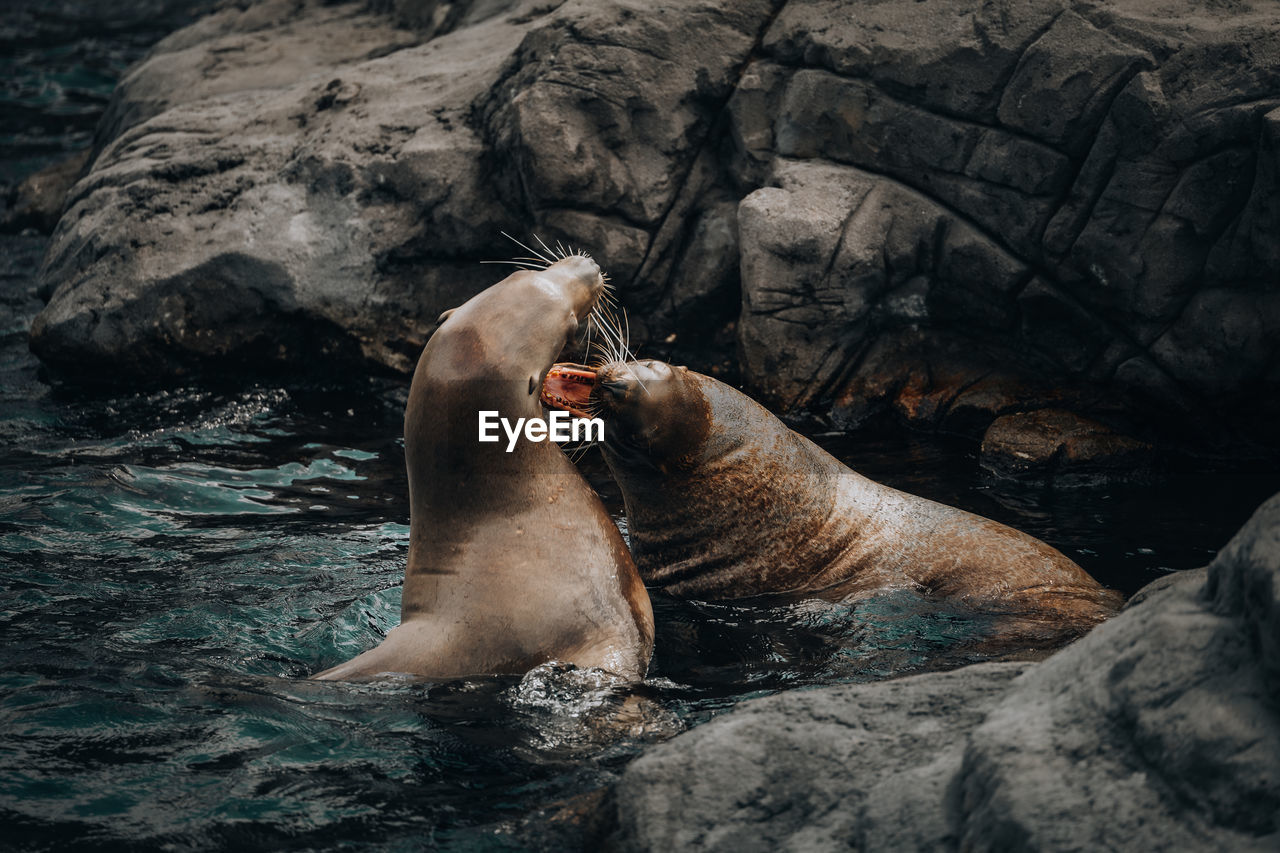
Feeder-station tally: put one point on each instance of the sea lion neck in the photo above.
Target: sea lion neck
(491, 354)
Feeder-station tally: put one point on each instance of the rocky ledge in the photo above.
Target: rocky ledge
(1160, 730)
(946, 211)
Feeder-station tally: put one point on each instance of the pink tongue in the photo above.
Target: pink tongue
(568, 387)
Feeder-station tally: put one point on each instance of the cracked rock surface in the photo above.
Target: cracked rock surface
(948, 210)
(1159, 730)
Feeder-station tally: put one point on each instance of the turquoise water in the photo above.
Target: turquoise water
(173, 564)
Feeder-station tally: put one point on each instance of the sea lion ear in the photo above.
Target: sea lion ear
(445, 316)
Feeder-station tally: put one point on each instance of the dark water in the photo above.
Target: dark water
(59, 60)
(172, 564)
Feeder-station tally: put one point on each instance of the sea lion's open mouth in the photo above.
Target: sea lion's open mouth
(569, 387)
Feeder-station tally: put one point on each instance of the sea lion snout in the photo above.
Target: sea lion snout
(576, 387)
(619, 385)
(651, 409)
(614, 389)
(614, 384)
(569, 387)
(624, 379)
(576, 277)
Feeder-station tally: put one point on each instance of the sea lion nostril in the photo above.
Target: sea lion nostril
(616, 388)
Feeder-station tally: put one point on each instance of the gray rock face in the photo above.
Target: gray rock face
(947, 210)
(1076, 191)
(285, 180)
(272, 213)
(1160, 730)
(861, 767)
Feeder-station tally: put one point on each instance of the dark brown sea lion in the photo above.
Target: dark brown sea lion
(724, 501)
(513, 560)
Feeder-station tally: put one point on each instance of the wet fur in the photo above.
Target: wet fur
(724, 501)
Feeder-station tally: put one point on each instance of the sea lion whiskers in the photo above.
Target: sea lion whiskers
(559, 253)
(607, 302)
(601, 315)
(560, 246)
(517, 263)
(609, 330)
(542, 257)
(619, 351)
(550, 251)
(598, 320)
(578, 450)
(606, 337)
(617, 334)
(623, 354)
(630, 356)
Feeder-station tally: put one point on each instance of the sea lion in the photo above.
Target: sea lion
(724, 501)
(513, 560)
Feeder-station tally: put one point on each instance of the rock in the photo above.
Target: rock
(861, 766)
(582, 822)
(247, 47)
(700, 312)
(1070, 142)
(936, 381)
(313, 171)
(1083, 199)
(1055, 444)
(1159, 730)
(37, 201)
(1196, 577)
(255, 204)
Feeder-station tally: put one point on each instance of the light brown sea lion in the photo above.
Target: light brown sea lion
(724, 501)
(513, 560)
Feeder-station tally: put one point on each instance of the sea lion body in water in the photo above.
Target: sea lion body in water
(513, 560)
(724, 501)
